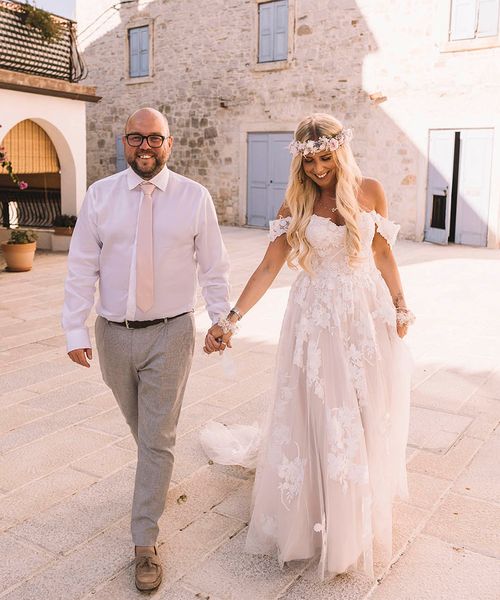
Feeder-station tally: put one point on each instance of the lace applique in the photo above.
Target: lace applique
(345, 436)
(278, 227)
(291, 473)
(387, 229)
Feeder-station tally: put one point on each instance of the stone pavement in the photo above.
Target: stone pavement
(67, 460)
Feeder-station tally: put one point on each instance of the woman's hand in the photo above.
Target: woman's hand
(402, 329)
(217, 340)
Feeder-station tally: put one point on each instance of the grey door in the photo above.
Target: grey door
(268, 170)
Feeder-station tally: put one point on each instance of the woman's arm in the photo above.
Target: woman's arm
(256, 287)
(384, 257)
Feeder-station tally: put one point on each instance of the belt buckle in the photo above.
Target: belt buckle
(127, 325)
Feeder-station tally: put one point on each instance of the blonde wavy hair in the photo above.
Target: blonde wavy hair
(302, 192)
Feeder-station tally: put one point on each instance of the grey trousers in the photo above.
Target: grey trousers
(147, 371)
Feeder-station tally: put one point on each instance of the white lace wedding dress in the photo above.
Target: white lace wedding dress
(332, 455)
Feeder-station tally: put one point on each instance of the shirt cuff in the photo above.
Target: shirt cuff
(77, 338)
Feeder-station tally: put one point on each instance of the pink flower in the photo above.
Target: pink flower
(22, 185)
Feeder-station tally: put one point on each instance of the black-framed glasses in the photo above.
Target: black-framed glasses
(136, 139)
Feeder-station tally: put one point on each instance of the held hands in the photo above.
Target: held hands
(217, 340)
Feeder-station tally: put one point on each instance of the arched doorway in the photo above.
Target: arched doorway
(35, 160)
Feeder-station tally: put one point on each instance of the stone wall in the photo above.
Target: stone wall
(378, 66)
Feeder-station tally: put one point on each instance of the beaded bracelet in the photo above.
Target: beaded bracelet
(227, 326)
(404, 316)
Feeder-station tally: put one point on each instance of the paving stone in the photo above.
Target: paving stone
(482, 426)
(425, 367)
(19, 561)
(44, 426)
(103, 401)
(231, 573)
(19, 466)
(406, 523)
(467, 522)
(448, 465)
(189, 456)
(446, 390)
(35, 497)
(67, 395)
(59, 380)
(179, 554)
(193, 497)
(491, 387)
(434, 570)
(237, 504)
(105, 461)
(478, 405)
(82, 570)
(111, 422)
(347, 586)
(434, 430)
(425, 491)
(248, 365)
(128, 443)
(242, 391)
(481, 479)
(196, 415)
(75, 520)
(15, 397)
(199, 387)
(17, 415)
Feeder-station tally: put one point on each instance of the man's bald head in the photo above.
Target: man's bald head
(148, 114)
(147, 160)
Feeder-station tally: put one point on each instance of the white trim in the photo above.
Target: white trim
(277, 65)
(447, 45)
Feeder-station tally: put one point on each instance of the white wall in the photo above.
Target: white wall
(64, 121)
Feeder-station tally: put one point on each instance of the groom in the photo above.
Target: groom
(144, 234)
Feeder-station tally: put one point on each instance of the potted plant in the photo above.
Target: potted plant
(19, 250)
(42, 21)
(64, 224)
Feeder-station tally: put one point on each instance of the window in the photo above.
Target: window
(471, 19)
(138, 44)
(273, 31)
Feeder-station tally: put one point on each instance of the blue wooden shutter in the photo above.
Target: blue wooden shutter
(487, 20)
(463, 19)
(121, 163)
(281, 30)
(134, 58)
(144, 51)
(266, 19)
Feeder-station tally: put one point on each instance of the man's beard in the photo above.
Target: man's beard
(157, 167)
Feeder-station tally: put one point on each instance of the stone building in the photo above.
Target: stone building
(419, 83)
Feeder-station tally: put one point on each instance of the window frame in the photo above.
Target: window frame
(475, 43)
(138, 24)
(273, 65)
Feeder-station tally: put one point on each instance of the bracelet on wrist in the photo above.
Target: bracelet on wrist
(404, 316)
(236, 311)
(227, 326)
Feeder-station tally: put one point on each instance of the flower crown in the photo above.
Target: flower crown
(323, 143)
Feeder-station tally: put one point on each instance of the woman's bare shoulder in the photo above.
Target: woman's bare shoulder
(372, 196)
(283, 211)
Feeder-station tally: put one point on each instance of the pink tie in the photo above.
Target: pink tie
(144, 261)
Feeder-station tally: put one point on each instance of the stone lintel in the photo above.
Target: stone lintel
(47, 86)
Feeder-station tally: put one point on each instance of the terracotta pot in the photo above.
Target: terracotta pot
(63, 230)
(19, 257)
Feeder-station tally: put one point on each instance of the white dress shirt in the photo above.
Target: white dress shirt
(186, 239)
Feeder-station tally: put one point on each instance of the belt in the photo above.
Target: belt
(142, 324)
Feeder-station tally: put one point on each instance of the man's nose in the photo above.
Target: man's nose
(144, 144)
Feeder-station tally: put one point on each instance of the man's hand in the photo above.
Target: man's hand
(216, 340)
(80, 356)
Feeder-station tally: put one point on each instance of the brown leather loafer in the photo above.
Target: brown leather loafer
(148, 571)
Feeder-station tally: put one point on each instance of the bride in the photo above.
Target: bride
(333, 453)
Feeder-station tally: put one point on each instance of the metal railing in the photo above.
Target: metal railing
(24, 50)
(29, 208)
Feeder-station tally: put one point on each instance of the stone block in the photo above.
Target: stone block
(67, 395)
(105, 461)
(200, 387)
(111, 422)
(44, 426)
(481, 479)
(434, 570)
(449, 465)
(231, 573)
(19, 561)
(491, 387)
(467, 522)
(425, 491)
(15, 397)
(37, 496)
(17, 415)
(28, 376)
(75, 520)
(435, 431)
(189, 456)
(35, 460)
(481, 405)
(196, 415)
(237, 504)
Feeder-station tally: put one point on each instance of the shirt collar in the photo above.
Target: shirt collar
(160, 180)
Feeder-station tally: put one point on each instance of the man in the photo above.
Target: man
(143, 233)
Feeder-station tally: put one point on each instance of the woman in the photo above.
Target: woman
(333, 456)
